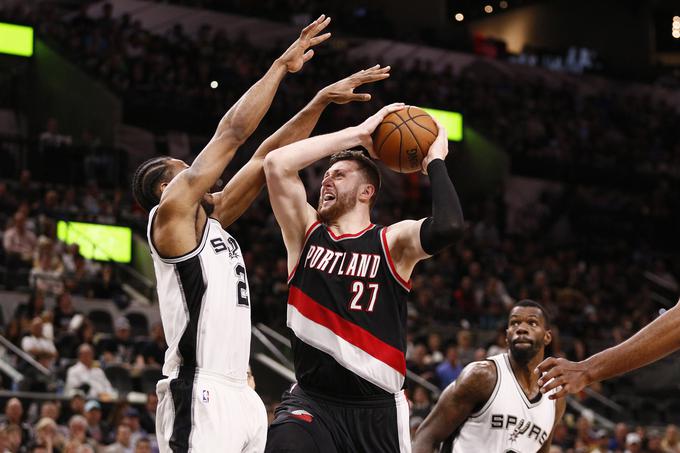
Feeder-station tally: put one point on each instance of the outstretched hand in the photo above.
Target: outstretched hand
(571, 377)
(342, 91)
(369, 125)
(300, 51)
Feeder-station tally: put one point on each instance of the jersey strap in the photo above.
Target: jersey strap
(349, 344)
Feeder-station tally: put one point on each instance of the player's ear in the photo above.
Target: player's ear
(367, 192)
(547, 338)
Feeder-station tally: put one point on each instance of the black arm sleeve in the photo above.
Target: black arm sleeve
(445, 227)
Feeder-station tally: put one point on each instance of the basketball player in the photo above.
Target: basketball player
(495, 405)
(348, 285)
(655, 341)
(201, 277)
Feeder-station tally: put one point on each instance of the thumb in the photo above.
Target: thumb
(361, 97)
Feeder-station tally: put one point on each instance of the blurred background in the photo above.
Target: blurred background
(567, 165)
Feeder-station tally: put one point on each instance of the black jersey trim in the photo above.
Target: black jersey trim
(192, 285)
(312, 228)
(176, 259)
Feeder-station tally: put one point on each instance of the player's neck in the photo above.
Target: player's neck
(524, 373)
(351, 222)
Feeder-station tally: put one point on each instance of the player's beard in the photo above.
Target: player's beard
(523, 353)
(343, 203)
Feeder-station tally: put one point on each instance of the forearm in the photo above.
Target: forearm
(292, 158)
(243, 117)
(425, 443)
(658, 339)
(297, 128)
(446, 224)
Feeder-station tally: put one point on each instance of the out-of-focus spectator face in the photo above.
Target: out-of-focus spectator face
(14, 437)
(77, 404)
(37, 327)
(143, 446)
(151, 402)
(466, 283)
(123, 435)
(420, 396)
(419, 353)
(49, 410)
(93, 416)
(452, 355)
(86, 355)
(480, 354)
(14, 410)
(633, 443)
(20, 221)
(25, 177)
(434, 342)
(77, 427)
(671, 434)
(65, 302)
(464, 338)
(620, 431)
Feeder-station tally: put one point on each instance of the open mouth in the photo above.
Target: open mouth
(522, 341)
(327, 197)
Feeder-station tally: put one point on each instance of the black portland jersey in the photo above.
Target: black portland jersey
(347, 310)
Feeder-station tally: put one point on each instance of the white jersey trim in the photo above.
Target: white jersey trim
(346, 354)
(177, 259)
(519, 387)
(403, 422)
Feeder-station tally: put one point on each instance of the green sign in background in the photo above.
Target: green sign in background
(16, 40)
(96, 241)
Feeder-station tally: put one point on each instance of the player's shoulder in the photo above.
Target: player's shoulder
(478, 378)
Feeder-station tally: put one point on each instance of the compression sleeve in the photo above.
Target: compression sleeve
(446, 224)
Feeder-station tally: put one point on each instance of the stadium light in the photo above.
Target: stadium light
(97, 241)
(459, 17)
(16, 40)
(452, 121)
(488, 9)
(503, 4)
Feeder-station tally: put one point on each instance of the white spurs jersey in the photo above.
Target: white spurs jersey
(508, 422)
(205, 305)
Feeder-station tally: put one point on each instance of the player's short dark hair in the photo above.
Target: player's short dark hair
(366, 164)
(146, 180)
(534, 304)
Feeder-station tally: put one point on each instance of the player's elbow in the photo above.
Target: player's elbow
(232, 135)
(274, 165)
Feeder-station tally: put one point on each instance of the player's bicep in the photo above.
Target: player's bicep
(403, 240)
(289, 203)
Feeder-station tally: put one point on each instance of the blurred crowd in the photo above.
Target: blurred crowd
(586, 252)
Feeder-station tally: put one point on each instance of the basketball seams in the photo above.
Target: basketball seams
(396, 120)
(396, 127)
(415, 137)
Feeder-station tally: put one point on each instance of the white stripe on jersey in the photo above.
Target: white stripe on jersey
(508, 422)
(223, 330)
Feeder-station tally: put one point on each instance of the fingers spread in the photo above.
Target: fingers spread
(319, 39)
(308, 55)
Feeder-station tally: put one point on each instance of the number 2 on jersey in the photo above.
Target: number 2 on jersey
(358, 288)
(241, 286)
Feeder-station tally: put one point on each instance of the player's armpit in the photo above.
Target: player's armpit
(404, 246)
(463, 397)
(560, 407)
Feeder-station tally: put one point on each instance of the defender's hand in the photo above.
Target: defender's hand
(439, 148)
(366, 128)
(342, 91)
(572, 377)
(299, 52)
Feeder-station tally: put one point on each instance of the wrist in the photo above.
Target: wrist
(279, 67)
(321, 99)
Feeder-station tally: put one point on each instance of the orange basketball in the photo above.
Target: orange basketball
(402, 140)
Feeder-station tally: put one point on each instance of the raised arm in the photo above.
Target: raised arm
(243, 188)
(181, 197)
(465, 396)
(286, 191)
(413, 240)
(658, 339)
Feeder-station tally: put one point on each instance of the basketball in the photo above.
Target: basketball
(403, 138)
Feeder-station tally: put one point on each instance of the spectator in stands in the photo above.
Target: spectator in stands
(418, 364)
(618, 440)
(671, 440)
(86, 376)
(143, 445)
(633, 443)
(107, 286)
(14, 416)
(36, 344)
(26, 190)
(52, 410)
(147, 419)
(132, 420)
(96, 428)
(153, 350)
(421, 404)
(48, 435)
(19, 244)
(499, 345)
(123, 443)
(15, 438)
(8, 204)
(46, 274)
(63, 314)
(26, 312)
(450, 368)
(119, 350)
(77, 427)
(466, 351)
(434, 345)
(51, 138)
(76, 406)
